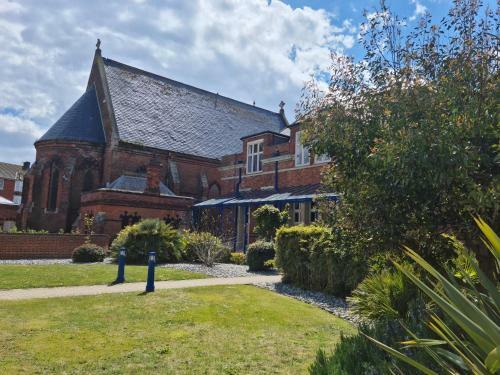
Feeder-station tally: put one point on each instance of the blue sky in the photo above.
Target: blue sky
(246, 49)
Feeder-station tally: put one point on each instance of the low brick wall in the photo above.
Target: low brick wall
(36, 246)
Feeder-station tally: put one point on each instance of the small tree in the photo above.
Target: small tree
(88, 224)
(205, 247)
(267, 220)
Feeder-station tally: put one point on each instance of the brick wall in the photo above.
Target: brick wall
(33, 246)
(8, 189)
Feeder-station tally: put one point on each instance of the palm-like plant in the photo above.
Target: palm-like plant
(474, 308)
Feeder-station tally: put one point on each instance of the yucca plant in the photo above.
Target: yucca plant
(473, 307)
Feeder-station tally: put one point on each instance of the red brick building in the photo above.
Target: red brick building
(11, 187)
(138, 145)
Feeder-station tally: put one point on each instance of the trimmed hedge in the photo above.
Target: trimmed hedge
(88, 253)
(258, 253)
(317, 258)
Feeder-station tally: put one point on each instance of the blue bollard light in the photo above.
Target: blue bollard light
(121, 266)
(150, 285)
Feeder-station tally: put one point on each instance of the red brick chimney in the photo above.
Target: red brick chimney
(153, 172)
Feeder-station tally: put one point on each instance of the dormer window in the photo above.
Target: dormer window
(255, 152)
(301, 151)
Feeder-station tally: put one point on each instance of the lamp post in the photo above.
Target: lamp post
(121, 266)
(150, 285)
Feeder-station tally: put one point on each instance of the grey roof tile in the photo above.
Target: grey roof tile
(81, 122)
(158, 112)
(135, 184)
(11, 171)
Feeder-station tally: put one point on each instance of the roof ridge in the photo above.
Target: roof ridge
(12, 164)
(172, 81)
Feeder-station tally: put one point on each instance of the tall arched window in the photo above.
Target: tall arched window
(88, 181)
(53, 187)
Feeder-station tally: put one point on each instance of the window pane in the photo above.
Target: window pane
(249, 164)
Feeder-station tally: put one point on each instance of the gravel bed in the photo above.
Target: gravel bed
(334, 305)
(48, 261)
(218, 270)
(36, 261)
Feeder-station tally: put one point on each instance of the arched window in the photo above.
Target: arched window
(88, 181)
(214, 191)
(53, 187)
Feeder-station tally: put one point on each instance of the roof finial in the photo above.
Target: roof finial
(98, 44)
(282, 105)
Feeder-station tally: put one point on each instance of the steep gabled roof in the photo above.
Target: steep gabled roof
(158, 112)
(11, 171)
(82, 122)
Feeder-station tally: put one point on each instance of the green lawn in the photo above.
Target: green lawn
(48, 275)
(207, 330)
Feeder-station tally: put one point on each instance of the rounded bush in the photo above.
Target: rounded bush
(88, 253)
(258, 253)
(237, 258)
(149, 235)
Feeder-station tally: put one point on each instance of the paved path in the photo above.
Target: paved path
(90, 290)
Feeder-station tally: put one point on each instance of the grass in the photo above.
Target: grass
(14, 276)
(207, 330)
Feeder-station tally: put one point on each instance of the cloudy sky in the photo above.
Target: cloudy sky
(246, 49)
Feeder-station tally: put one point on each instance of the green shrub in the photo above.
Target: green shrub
(258, 253)
(383, 295)
(206, 248)
(148, 235)
(237, 258)
(317, 258)
(357, 355)
(267, 220)
(270, 264)
(88, 253)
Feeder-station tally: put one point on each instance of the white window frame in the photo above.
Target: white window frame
(323, 158)
(2, 183)
(255, 154)
(18, 186)
(17, 199)
(314, 213)
(302, 156)
(297, 213)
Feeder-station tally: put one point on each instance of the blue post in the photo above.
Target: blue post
(121, 266)
(150, 285)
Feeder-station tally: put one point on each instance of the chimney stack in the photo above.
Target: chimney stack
(153, 172)
(26, 165)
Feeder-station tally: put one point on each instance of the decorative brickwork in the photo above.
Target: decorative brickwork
(33, 246)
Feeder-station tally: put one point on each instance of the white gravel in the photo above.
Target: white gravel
(36, 261)
(332, 304)
(218, 270)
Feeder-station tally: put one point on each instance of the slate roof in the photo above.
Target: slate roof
(10, 171)
(161, 113)
(82, 122)
(135, 184)
(6, 202)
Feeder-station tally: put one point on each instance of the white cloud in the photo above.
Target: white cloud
(241, 49)
(420, 10)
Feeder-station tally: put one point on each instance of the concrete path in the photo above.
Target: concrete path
(91, 290)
